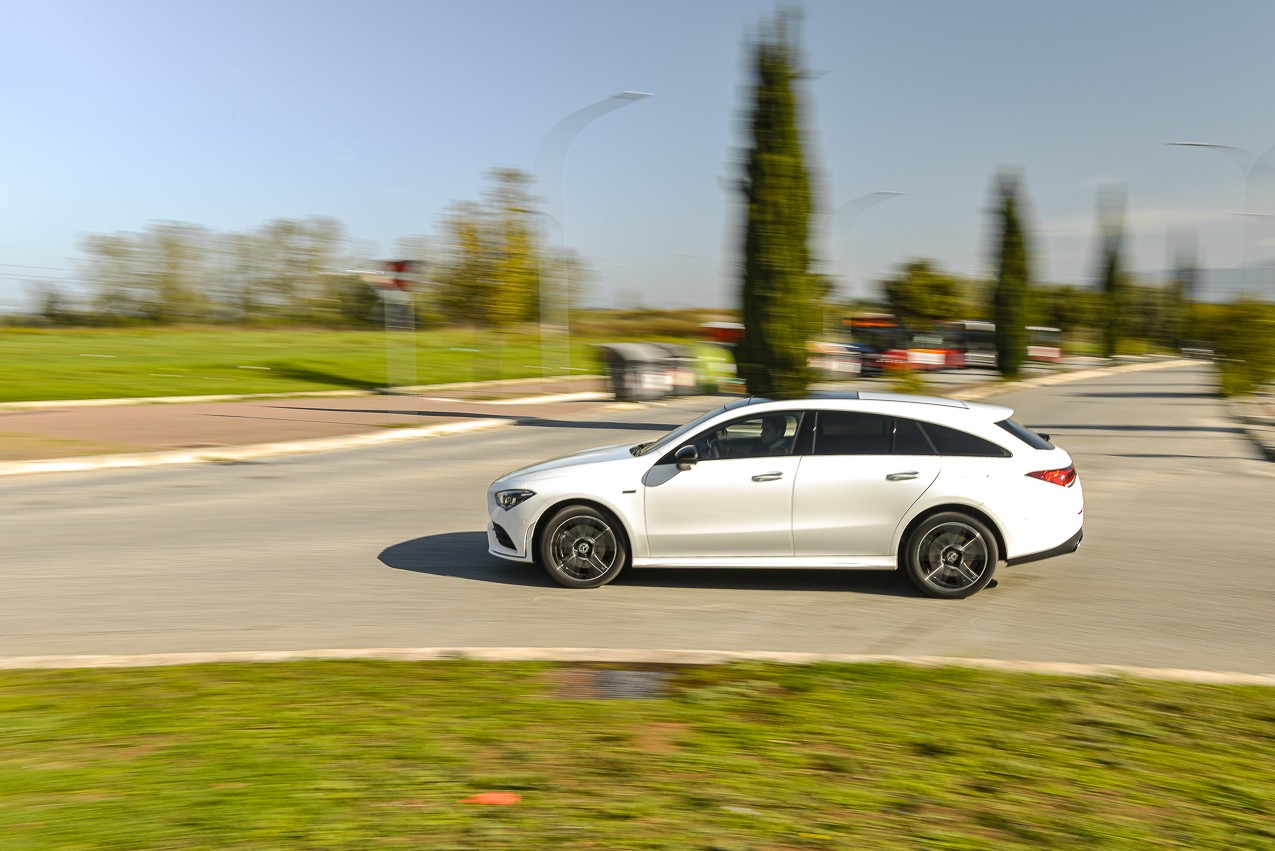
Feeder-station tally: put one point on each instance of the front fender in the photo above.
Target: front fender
(628, 512)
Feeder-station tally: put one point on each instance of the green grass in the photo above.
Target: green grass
(114, 363)
(364, 755)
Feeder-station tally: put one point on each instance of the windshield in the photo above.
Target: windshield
(677, 433)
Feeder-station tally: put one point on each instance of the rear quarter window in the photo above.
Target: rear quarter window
(950, 441)
(909, 439)
(1026, 435)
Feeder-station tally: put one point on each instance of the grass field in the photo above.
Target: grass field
(112, 363)
(358, 755)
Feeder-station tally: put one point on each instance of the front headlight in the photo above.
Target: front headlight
(508, 499)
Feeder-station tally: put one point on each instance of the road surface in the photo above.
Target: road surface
(384, 548)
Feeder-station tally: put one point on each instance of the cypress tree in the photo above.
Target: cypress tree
(1111, 270)
(778, 290)
(1013, 279)
(1182, 295)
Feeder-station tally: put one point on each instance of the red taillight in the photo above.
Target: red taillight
(1064, 476)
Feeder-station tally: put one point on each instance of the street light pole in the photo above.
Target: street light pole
(549, 168)
(1253, 166)
(856, 207)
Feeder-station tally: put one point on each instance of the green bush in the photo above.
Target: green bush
(1244, 342)
(904, 380)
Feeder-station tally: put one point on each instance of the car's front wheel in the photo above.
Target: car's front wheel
(950, 555)
(582, 547)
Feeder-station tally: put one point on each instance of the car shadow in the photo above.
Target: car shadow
(1060, 428)
(463, 555)
(1162, 394)
(1170, 456)
(538, 422)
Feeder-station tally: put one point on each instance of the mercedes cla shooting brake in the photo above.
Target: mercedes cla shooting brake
(943, 489)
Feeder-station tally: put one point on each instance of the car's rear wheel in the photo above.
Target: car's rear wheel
(950, 555)
(582, 547)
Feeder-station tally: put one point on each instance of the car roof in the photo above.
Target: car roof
(940, 407)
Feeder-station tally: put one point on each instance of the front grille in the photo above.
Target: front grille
(502, 537)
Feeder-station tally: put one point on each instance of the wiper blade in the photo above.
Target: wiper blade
(637, 449)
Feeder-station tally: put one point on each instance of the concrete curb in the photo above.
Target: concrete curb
(997, 388)
(640, 657)
(1259, 429)
(253, 452)
(53, 404)
(257, 451)
(494, 383)
(592, 396)
(306, 394)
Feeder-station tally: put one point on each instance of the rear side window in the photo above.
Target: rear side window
(950, 441)
(1026, 435)
(851, 433)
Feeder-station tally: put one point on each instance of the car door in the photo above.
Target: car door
(862, 474)
(735, 502)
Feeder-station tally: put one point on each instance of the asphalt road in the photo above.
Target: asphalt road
(384, 548)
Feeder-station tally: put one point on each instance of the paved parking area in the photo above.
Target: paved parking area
(64, 432)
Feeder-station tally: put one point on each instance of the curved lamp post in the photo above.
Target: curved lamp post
(549, 167)
(856, 206)
(1254, 167)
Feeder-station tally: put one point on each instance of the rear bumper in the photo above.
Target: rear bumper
(1068, 546)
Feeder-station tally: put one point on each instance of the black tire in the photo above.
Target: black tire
(950, 555)
(582, 547)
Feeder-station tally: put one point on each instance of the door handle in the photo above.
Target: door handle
(899, 477)
(767, 477)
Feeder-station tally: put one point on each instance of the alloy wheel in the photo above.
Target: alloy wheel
(583, 547)
(952, 557)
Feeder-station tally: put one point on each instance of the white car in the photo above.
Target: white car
(942, 488)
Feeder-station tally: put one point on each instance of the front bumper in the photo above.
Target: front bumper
(500, 543)
(508, 532)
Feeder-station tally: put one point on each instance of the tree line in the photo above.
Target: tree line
(491, 266)
(921, 293)
(780, 292)
(485, 268)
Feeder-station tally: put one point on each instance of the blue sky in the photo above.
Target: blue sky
(228, 114)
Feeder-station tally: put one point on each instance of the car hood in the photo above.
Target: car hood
(617, 452)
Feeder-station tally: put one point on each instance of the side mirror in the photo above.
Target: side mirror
(686, 457)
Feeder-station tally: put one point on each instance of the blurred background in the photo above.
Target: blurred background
(289, 165)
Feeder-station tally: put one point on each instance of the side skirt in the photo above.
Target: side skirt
(837, 562)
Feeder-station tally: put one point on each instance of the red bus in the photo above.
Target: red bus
(897, 347)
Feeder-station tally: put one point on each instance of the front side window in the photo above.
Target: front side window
(684, 429)
(763, 435)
